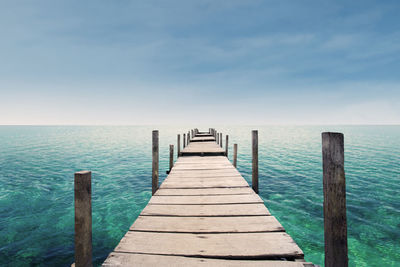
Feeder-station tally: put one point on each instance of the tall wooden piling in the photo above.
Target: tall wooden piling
(178, 146)
(226, 145)
(83, 218)
(171, 157)
(254, 149)
(188, 138)
(217, 137)
(334, 184)
(184, 140)
(192, 133)
(235, 155)
(220, 139)
(155, 150)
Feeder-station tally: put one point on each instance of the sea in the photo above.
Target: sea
(37, 166)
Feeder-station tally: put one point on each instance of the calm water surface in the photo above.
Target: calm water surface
(36, 186)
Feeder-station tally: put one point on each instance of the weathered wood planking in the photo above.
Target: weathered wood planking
(273, 245)
(203, 148)
(205, 213)
(224, 199)
(134, 259)
(206, 210)
(247, 224)
(205, 191)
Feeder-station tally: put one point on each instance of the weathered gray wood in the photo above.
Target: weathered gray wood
(273, 245)
(204, 191)
(334, 184)
(178, 146)
(247, 224)
(206, 210)
(222, 199)
(226, 145)
(184, 140)
(217, 138)
(254, 149)
(83, 218)
(192, 134)
(235, 149)
(209, 182)
(155, 157)
(171, 157)
(116, 259)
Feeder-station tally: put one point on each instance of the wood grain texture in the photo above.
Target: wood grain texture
(133, 259)
(205, 213)
(246, 224)
(241, 245)
(83, 218)
(334, 185)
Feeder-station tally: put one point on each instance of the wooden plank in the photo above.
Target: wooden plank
(209, 167)
(224, 199)
(209, 182)
(116, 259)
(204, 191)
(274, 245)
(199, 158)
(247, 224)
(231, 170)
(204, 175)
(206, 210)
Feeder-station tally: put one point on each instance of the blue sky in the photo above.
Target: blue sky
(206, 62)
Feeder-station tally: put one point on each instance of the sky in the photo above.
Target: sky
(213, 62)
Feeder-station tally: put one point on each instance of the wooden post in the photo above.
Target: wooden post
(154, 186)
(171, 157)
(226, 146)
(254, 149)
(188, 138)
(192, 134)
(220, 139)
(235, 155)
(334, 184)
(216, 138)
(83, 218)
(184, 140)
(179, 146)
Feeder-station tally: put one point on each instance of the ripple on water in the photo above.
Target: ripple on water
(36, 187)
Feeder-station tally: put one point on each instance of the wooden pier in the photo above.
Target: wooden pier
(205, 214)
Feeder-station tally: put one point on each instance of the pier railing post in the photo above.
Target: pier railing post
(254, 148)
(178, 146)
(83, 218)
(188, 138)
(334, 184)
(216, 137)
(155, 151)
(184, 140)
(235, 155)
(226, 145)
(171, 157)
(220, 139)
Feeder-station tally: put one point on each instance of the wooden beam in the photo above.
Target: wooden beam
(83, 218)
(254, 148)
(334, 184)
(155, 157)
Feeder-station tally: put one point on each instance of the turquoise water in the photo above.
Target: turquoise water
(36, 187)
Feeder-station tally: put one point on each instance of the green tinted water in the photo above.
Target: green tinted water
(36, 187)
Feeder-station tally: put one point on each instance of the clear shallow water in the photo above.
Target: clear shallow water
(36, 186)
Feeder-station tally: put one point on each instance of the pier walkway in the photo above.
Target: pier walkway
(205, 214)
